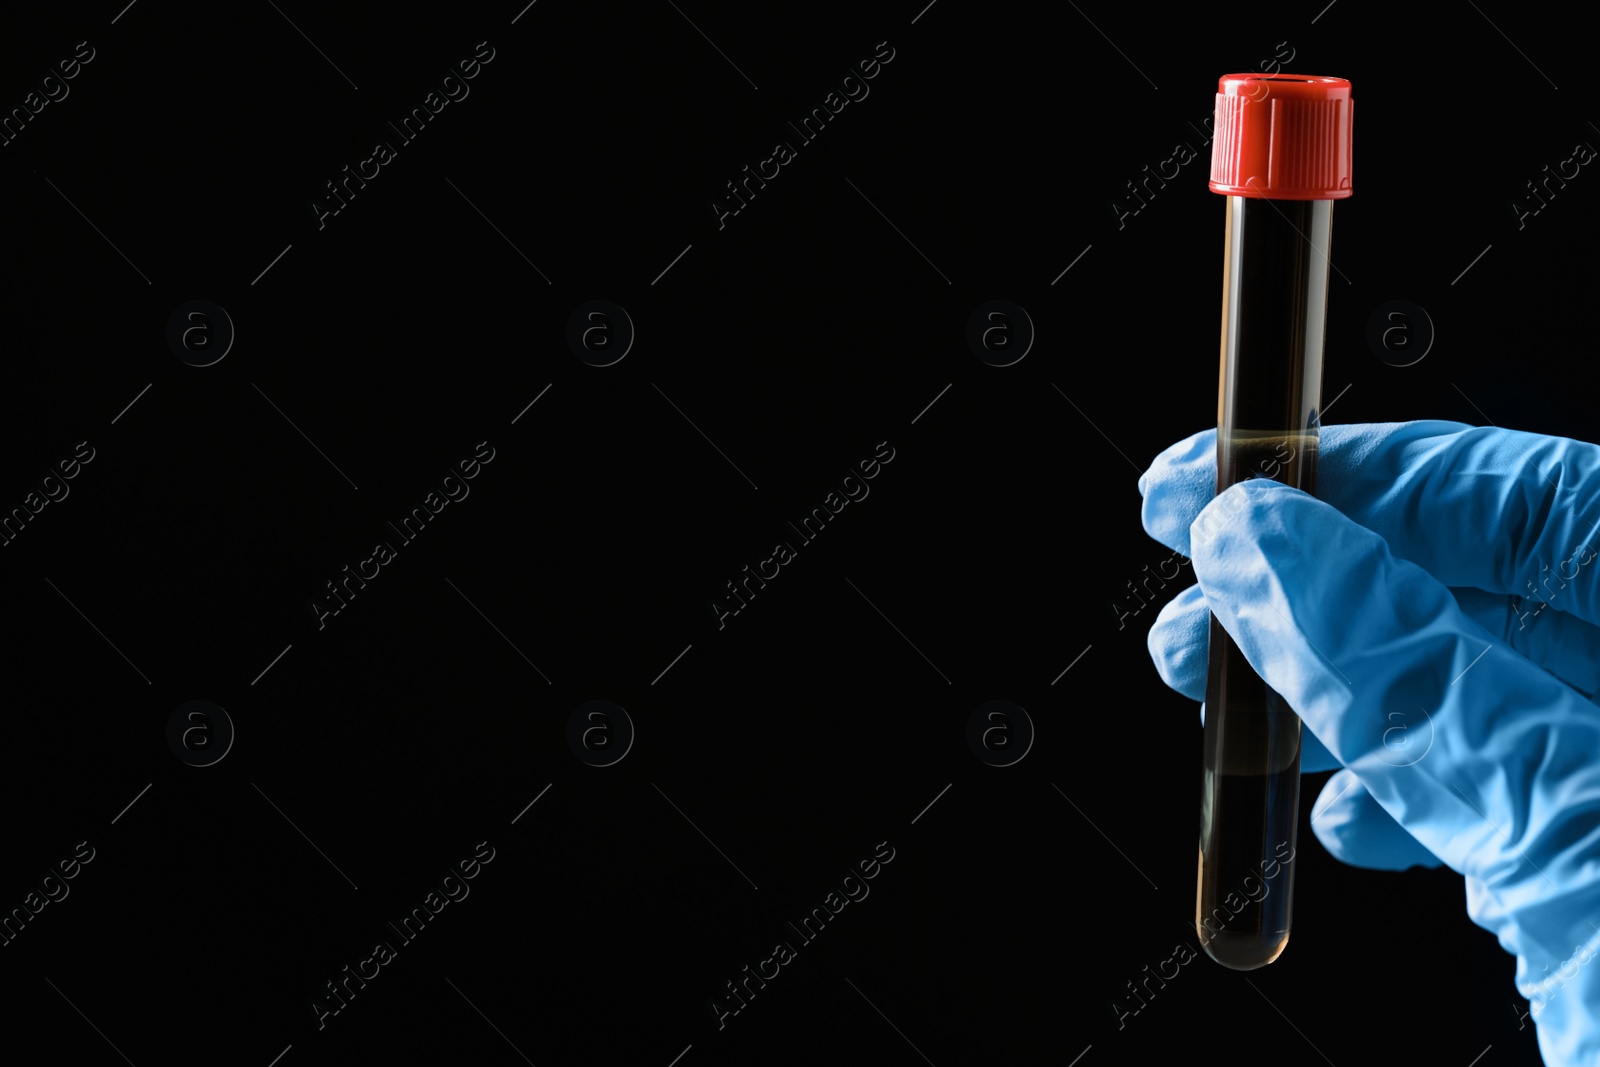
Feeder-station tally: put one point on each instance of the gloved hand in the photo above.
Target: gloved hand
(1386, 611)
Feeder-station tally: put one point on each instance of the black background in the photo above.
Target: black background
(823, 719)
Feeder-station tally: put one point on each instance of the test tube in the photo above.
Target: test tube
(1281, 156)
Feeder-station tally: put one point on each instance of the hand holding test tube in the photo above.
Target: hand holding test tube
(1445, 575)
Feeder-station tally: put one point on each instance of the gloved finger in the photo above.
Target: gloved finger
(1507, 786)
(1564, 645)
(1438, 493)
(1355, 828)
(1179, 640)
(1179, 643)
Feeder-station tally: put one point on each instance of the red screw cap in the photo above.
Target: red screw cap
(1282, 136)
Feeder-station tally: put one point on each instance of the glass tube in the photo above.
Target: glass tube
(1274, 308)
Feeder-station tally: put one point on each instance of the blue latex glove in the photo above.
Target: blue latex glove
(1386, 611)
